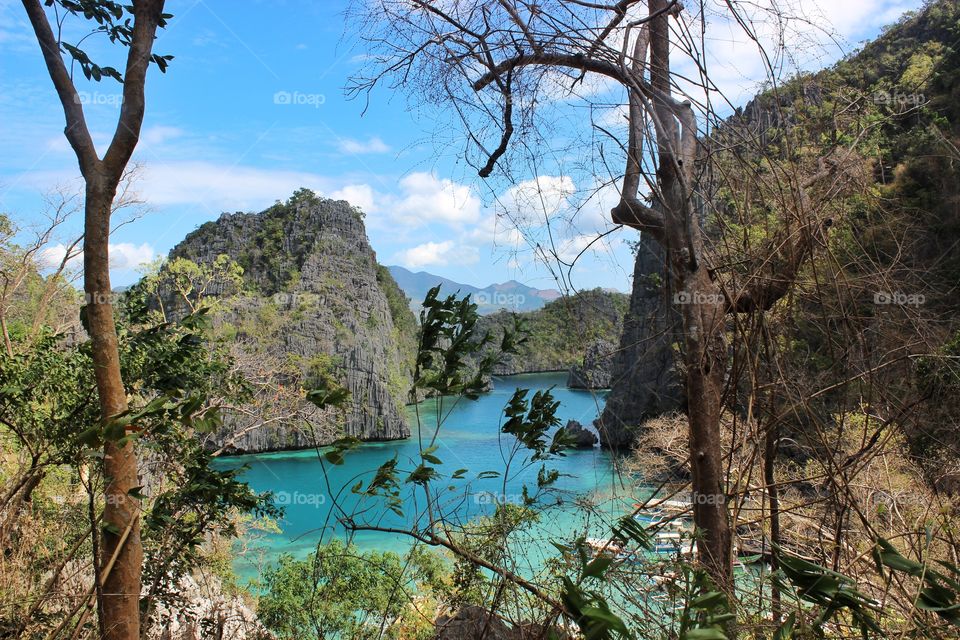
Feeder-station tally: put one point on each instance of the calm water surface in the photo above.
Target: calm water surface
(470, 439)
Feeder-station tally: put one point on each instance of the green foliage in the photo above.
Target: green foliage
(706, 610)
(486, 537)
(47, 394)
(448, 339)
(184, 284)
(530, 421)
(557, 335)
(832, 593)
(939, 592)
(340, 592)
(112, 19)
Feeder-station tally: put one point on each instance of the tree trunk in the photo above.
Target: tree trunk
(703, 308)
(6, 334)
(706, 360)
(122, 555)
(771, 445)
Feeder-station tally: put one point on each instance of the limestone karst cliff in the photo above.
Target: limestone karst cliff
(576, 334)
(644, 379)
(314, 305)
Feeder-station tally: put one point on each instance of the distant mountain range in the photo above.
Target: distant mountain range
(512, 295)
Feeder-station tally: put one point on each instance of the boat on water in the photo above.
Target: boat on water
(671, 533)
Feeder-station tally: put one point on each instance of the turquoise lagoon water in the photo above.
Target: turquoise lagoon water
(470, 439)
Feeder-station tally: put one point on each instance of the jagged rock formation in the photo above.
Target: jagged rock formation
(645, 381)
(315, 305)
(583, 438)
(563, 333)
(204, 611)
(596, 371)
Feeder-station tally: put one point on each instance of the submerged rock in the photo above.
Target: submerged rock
(583, 437)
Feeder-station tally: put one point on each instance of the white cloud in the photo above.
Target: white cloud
(578, 247)
(795, 34)
(537, 200)
(416, 200)
(155, 136)
(51, 257)
(123, 255)
(222, 187)
(498, 230)
(359, 195)
(126, 255)
(437, 254)
(426, 198)
(420, 199)
(357, 147)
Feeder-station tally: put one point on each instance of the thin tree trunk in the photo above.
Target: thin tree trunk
(122, 557)
(121, 586)
(706, 364)
(773, 497)
(703, 312)
(6, 335)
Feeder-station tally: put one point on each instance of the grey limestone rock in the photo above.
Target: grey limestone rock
(315, 304)
(645, 379)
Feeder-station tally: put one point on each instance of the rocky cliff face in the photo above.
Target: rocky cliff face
(645, 380)
(596, 371)
(315, 306)
(575, 334)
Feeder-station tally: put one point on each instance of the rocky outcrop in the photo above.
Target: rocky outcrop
(645, 381)
(582, 437)
(203, 611)
(596, 372)
(315, 307)
(571, 332)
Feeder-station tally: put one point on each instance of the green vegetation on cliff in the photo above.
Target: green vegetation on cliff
(562, 331)
(310, 290)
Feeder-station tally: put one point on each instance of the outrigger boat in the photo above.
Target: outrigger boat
(671, 533)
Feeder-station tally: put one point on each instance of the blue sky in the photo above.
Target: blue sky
(253, 107)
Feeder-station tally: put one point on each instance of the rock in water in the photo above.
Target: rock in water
(315, 307)
(645, 381)
(583, 438)
(596, 372)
